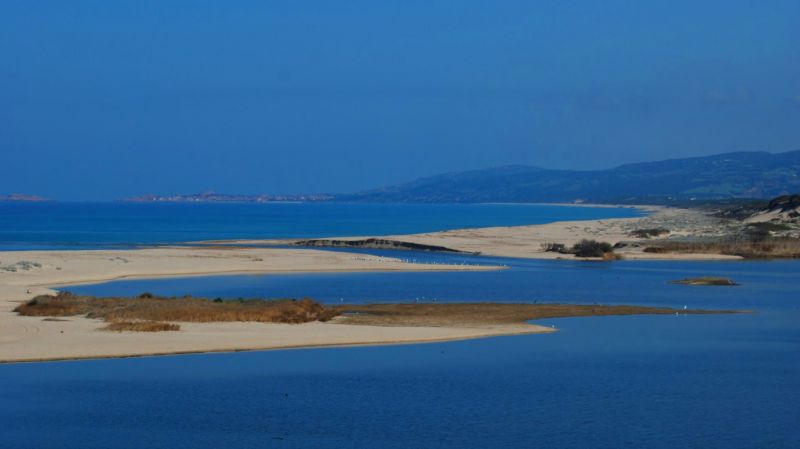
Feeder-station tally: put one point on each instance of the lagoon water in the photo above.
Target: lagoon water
(685, 381)
(702, 381)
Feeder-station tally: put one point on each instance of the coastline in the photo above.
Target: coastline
(526, 241)
(82, 341)
(30, 338)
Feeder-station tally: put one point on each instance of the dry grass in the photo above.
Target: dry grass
(706, 280)
(476, 314)
(141, 326)
(186, 309)
(772, 247)
(152, 314)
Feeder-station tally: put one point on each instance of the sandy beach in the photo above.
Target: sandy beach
(34, 272)
(25, 274)
(527, 241)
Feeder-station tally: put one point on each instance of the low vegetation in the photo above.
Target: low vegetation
(769, 226)
(23, 265)
(585, 248)
(749, 247)
(592, 248)
(461, 314)
(159, 314)
(555, 248)
(154, 309)
(706, 280)
(649, 232)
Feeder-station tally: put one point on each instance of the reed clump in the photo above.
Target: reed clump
(152, 308)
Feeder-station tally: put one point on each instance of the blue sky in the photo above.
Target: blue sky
(106, 99)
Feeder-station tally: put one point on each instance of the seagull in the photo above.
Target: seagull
(684, 307)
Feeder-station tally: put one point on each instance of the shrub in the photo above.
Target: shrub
(555, 248)
(758, 234)
(649, 232)
(591, 248)
(768, 226)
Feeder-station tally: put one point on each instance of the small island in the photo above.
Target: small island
(150, 313)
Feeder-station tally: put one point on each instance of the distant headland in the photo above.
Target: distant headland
(686, 182)
(19, 197)
(212, 197)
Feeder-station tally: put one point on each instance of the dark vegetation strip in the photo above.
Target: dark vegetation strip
(373, 243)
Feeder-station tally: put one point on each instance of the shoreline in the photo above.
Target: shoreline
(28, 338)
(209, 327)
(140, 277)
(535, 329)
(35, 272)
(526, 241)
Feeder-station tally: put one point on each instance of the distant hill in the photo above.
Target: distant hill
(723, 176)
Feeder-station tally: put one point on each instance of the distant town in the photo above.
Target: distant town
(212, 197)
(21, 197)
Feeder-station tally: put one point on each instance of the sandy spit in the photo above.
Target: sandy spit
(35, 272)
(526, 241)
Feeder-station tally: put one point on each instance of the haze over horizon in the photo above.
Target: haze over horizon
(103, 100)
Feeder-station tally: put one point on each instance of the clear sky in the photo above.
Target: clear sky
(106, 99)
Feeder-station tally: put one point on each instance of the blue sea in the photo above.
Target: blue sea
(104, 225)
(667, 381)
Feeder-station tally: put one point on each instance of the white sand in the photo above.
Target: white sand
(28, 338)
(526, 241)
(35, 338)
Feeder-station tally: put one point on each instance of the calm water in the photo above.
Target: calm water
(92, 225)
(717, 381)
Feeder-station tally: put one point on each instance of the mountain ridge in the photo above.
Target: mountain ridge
(743, 174)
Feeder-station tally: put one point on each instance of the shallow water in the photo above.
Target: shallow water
(28, 226)
(623, 282)
(687, 381)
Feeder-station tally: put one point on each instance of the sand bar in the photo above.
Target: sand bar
(526, 241)
(35, 272)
